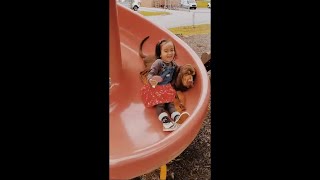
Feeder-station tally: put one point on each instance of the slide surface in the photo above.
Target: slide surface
(138, 145)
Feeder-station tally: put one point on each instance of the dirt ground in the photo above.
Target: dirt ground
(194, 163)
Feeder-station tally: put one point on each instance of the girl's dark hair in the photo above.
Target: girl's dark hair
(158, 48)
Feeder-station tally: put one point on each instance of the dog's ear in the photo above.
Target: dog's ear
(194, 75)
(192, 71)
(190, 68)
(179, 85)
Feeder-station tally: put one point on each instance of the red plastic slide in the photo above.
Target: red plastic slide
(137, 143)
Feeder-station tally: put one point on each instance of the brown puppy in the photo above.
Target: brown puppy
(184, 77)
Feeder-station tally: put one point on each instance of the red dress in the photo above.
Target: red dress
(158, 95)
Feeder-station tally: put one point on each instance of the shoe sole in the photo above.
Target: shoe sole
(171, 129)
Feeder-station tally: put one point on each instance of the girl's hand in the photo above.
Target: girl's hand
(154, 80)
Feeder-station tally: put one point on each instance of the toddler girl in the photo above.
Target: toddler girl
(161, 94)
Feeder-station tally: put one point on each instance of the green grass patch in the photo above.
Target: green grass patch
(155, 13)
(191, 30)
(202, 4)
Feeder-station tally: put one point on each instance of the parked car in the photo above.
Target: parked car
(136, 5)
(132, 4)
(189, 4)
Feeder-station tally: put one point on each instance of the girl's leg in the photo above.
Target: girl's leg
(171, 108)
(175, 115)
(164, 118)
(160, 108)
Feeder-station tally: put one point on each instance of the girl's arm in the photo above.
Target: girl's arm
(154, 70)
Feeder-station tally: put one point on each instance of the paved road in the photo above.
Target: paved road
(182, 17)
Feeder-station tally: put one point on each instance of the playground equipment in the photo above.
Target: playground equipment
(137, 143)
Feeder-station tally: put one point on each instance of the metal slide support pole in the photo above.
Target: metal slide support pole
(193, 19)
(163, 172)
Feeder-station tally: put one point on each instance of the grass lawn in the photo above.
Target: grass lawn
(191, 30)
(202, 4)
(157, 13)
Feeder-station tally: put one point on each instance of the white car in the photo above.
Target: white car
(189, 4)
(131, 4)
(209, 5)
(135, 5)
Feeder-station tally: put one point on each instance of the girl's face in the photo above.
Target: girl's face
(167, 52)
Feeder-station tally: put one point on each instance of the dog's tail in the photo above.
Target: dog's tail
(140, 50)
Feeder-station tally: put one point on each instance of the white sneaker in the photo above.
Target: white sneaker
(168, 125)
